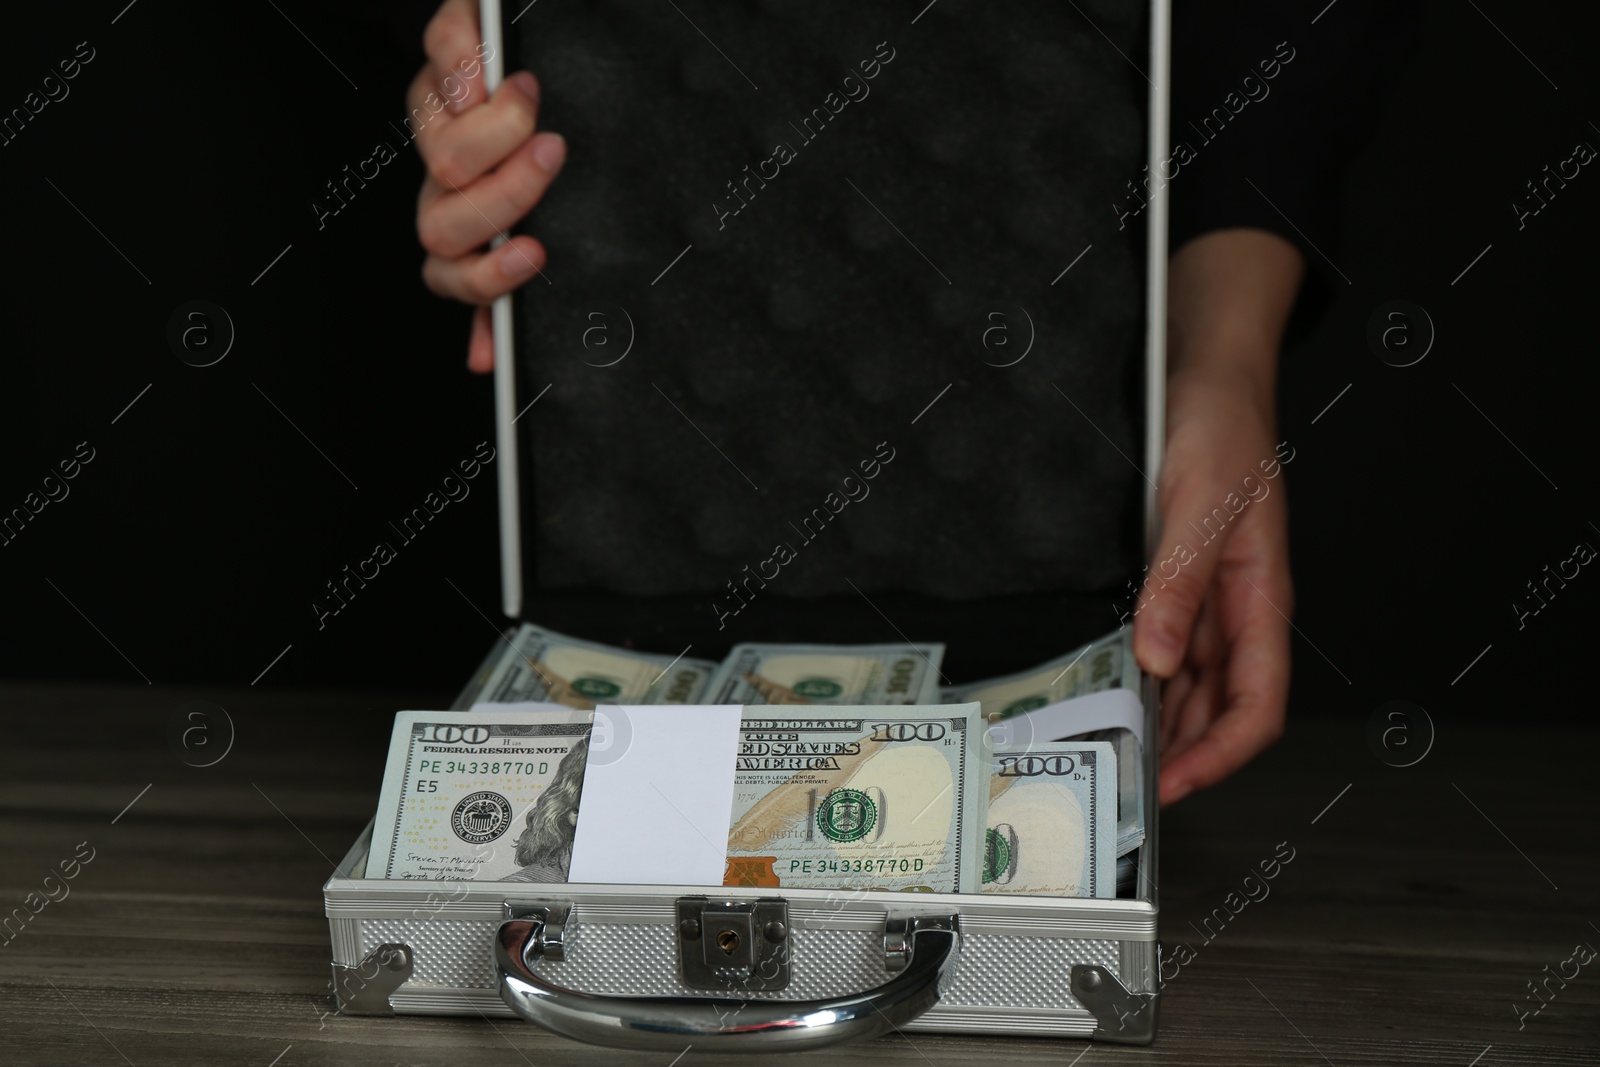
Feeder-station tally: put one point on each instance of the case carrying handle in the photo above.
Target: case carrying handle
(726, 1024)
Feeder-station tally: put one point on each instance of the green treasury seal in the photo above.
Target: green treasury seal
(847, 815)
(998, 854)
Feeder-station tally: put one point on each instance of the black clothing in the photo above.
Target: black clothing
(843, 242)
(1291, 133)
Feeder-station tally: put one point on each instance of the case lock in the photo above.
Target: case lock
(733, 946)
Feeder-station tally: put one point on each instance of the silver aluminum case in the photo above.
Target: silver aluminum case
(1018, 954)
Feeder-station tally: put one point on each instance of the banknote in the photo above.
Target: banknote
(883, 797)
(542, 665)
(828, 674)
(1102, 664)
(1130, 785)
(480, 796)
(1052, 825)
(1112, 715)
(1106, 663)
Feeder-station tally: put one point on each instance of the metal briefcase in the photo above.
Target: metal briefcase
(662, 967)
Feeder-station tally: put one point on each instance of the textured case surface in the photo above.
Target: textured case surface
(1012, 976)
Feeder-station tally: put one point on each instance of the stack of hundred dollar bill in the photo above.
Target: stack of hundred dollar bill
(855, 769)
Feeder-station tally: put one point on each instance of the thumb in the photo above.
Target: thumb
(1195, 525)
(480, 347)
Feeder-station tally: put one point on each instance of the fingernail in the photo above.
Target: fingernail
(515, 263)
(550, 151)
(1177, 793)
(1164, 652)
(526, 84)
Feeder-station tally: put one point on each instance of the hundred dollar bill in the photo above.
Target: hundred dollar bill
(542, 665)
(1106, 663)
(1130, 785)
(827, 674)
(1052, 825)
(1102, 664)
(880, 797)
(480, 796)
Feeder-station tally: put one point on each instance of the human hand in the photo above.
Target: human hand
(1213, 618)
(487, 167)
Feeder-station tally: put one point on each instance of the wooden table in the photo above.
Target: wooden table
(1418, 906)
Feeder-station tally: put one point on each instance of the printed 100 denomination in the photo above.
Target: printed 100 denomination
(1106, 663)
(859, 797)
(1052, 820)
(480, 795)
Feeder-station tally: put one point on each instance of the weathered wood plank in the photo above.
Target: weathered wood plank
(1403, 931)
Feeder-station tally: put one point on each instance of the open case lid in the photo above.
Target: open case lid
(796, 243)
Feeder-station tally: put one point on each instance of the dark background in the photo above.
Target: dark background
(191, 547)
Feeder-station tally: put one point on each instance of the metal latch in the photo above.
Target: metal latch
(734, 945)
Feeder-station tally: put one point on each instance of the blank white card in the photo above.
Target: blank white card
(657, 795)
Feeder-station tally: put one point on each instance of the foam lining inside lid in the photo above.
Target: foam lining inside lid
(797, 243)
